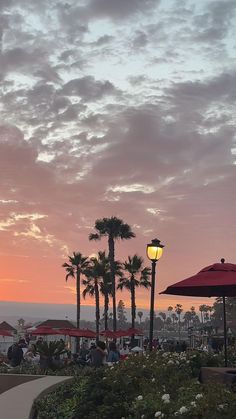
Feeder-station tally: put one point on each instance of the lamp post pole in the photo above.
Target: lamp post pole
(152, 303)
(154, 252)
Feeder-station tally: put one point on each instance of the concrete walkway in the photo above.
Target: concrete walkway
(17, 402)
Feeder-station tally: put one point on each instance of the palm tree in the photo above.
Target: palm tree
(163, 317)
(138, 276)
(188, 318)
(92, 283)
(105, 283)
(178, 310)
(140, 315)
(113, 228)
(77, 266)
(170, 309)
(202, 309)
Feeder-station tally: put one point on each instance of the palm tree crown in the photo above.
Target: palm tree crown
(138, 276)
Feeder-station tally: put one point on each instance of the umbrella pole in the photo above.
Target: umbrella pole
(225, 333)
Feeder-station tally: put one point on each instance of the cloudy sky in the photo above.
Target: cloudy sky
(115, 107)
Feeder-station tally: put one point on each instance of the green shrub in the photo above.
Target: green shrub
(155, 385)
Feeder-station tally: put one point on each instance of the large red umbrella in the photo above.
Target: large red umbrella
(218, 280)
(44, 331)
(132, 331)
(82, 333)
(121, 333)
(108, 334)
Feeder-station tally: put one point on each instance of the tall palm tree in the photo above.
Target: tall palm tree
(170, 309)
(77, 266)
(201, 309)
(92, 284)
(138, 276)
(105, 281)
(187, 318)
(163, 317)
(178, 310)
(140, 315)
(98, 281)
(113, 228)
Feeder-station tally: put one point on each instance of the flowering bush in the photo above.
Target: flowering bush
(158, 385)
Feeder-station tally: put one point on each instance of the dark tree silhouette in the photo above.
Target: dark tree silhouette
(113, 228)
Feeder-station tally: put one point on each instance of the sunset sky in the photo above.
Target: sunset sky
(115, 107)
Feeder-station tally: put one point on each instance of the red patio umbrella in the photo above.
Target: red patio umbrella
(108, 334)
(218, 280)
(132, 331)
(44, 331)
(121, 333)
(65, 331)
(82, 333)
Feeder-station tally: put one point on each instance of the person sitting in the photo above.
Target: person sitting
(15, 355)
(31, 355)
(124, 352)
(113, 354)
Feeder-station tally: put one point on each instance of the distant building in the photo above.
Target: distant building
(6, 326)
(57, 324)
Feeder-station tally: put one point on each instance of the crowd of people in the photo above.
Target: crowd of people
(20, 351)
(97, 355)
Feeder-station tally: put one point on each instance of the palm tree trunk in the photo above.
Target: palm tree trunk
(78, 298)
(132, 292)
(133, 308)
(78, 306)
(106, 308)
(97, 308)
(111, 257)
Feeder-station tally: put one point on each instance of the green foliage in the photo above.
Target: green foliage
(144, 386)
(50, 349)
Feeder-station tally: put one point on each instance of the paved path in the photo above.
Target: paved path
(17, 402)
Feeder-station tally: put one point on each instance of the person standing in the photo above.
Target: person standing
(113, 354)
(15, 354)
(98, 355)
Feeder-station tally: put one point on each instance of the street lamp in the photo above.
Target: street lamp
(154, 253)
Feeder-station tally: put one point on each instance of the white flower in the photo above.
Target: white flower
(183, 409)
(153, 379)
(199, 396)
(220, 407)
(166, 398)
(158, 414)
(170, 362)
(143, 416)
(140, 397)
(193, 404)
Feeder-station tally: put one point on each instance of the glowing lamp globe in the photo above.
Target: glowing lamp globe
(154, 250)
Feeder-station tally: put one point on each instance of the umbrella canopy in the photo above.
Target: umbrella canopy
(5, 333)
(108, 334)
(218, 280)
(121, 333)
(136, 349)
(82, 333)
(132, 331)
(44, 331)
